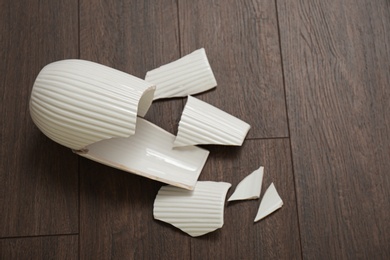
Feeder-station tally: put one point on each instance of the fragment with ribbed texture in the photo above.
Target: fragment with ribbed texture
(78, 102)
(270, 202)
(149, 153)
(195, 212)
(188, 75)
(202, 123)
(249, 187)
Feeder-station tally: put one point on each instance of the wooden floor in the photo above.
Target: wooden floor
(311, 77)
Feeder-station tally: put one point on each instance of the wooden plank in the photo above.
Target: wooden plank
(336, 64)
(275, 237)
(117, 207)
(50, 247)
(117, 218)
(38, 178)
(133, 37)
(241, 41)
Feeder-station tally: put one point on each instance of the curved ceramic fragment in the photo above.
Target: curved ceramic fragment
(196, 212)
(188, 75)
(249, 187)
(78, 102)
(149, 153)
(271, 202)
(202, 123)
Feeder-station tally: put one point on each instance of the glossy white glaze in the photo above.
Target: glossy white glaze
(149, 153)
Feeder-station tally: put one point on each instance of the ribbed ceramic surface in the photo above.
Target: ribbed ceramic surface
(202, 123)
(195, 212)
(149, 153)
(188, 75)
(78, 102)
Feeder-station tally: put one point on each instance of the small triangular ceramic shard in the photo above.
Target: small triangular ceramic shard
(249, 187)
(271, 202)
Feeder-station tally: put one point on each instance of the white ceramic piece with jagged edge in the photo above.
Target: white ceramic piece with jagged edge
(202, 123)
(76, 102)
(195, 212)
(188, 75)
(93, 109)
(249, 187)
(271, 202)
(149, 153)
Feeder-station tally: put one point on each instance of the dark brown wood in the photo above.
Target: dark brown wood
(51, 247)
(117, 207)
(336, 65)
(134, 37)
(329, 70)
(38, 178)
(275, 237)
(117, 218)
(241, 42)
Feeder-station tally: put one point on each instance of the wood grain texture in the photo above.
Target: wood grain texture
(38, 178)
(241, 41)
(336, 63)
(51, 247)
(134, 37)
(276, 236)
(334, 58)
(117, 218)
(117, 207)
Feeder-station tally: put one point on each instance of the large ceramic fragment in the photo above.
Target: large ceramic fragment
(93, 109)
(249, 187)
(78, 102)
(271, 202)
(188, 75)
(149, 153)
(196, 212)
(202, 123)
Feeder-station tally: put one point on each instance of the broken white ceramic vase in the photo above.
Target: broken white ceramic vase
(270, 202)
(195, 212)
(202, 123)
(249, 187)
(149, 153)
(78, 102)
(93, 109)
(188, 75)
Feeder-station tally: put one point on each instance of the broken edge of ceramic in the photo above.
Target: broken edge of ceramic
(249, 187)
(271, 202)
(196, 212)
(77, 102)
(149, 153)
(202, 123)
(188, 75)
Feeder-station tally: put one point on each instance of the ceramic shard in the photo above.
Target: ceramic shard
(149, 153)
(271, 202)
(202, 123)
(249, 187)
(188, 75)
(196, 212)
(78, 102)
